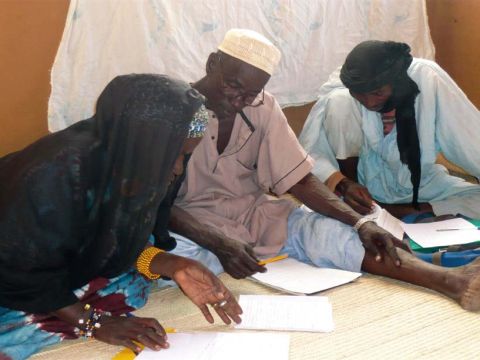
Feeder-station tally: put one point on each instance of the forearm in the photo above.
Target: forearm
(72, 313)
(237, 258)
(333, 180)
(166, 264)
(314, 194)
(186, 225)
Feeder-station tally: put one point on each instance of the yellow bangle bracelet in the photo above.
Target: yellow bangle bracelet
(144, 261)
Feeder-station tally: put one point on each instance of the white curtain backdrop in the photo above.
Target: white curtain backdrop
(105, 38)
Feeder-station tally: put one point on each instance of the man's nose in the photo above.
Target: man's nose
(372, 102)
(238, 102)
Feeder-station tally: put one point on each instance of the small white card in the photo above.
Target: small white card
(286, 312)
(388, 222)
(299, 278)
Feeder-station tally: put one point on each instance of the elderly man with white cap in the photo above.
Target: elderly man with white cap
(224, 215)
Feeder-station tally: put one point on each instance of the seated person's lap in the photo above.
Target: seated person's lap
(323, 241)
(312, 238)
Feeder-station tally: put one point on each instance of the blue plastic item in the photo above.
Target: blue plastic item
(451, 256)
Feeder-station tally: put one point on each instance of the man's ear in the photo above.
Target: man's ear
(212, 62)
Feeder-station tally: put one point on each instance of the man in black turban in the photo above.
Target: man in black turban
(375, 72)
(382, 120)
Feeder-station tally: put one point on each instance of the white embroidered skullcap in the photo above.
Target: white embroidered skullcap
(252, 48)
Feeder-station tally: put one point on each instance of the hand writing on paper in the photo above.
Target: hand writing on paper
(237, 258)
(119, 330)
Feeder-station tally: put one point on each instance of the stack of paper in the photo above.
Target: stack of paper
(299, 278)
(443, 233)
(291, 313)
(221, 346)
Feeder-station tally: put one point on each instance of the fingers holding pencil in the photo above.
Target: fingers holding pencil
(273, 259)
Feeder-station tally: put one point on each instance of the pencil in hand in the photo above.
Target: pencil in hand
(273, 259)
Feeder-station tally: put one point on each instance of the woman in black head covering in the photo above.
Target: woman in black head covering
(77, 209)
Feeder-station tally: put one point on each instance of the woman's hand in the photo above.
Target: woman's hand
(204, 288)
(199, 284)
(119, 330)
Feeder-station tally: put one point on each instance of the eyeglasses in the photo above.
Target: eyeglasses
(233, 90)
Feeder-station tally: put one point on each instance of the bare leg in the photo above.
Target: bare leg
(461, 284)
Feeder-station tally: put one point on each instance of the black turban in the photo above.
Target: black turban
(373, 64)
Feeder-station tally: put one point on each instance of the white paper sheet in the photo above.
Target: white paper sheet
(282, 312)
(428, 235)
(388, 222)
(299, 278)
(221, 346)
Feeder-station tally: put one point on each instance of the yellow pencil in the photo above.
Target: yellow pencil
(273, 259)
(127, 354)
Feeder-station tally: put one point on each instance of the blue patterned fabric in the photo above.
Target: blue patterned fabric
(23, 334)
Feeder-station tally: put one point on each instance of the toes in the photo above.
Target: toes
(470, 299)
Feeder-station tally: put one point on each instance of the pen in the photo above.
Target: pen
(455, 229)
(273, 259)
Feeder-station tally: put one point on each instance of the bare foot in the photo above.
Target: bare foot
(470, 298)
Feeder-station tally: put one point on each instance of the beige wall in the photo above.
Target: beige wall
(30, 31)
(455, 33)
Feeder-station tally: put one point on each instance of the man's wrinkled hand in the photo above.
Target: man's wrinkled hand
(356, 195)
(377, 240)
(238, 259)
